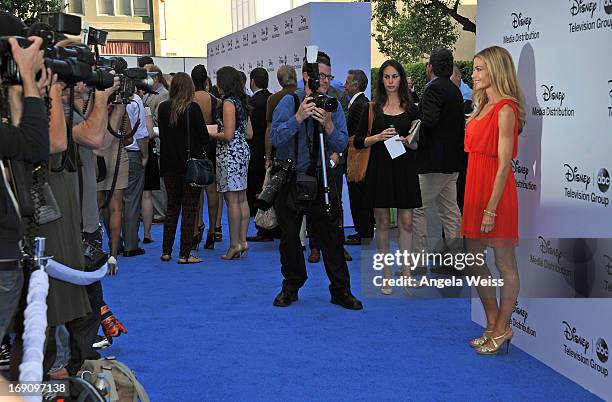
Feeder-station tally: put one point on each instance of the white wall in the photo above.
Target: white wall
(564, 241)
(313, 23)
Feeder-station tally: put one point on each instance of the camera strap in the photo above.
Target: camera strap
(296, 106)
(70, 155)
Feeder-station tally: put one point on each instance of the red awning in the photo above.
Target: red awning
(126, 47)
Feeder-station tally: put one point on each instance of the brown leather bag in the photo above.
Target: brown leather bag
(357, 163)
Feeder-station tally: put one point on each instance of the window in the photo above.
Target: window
(106, 7)
(75, 6)
(124, 7)
(141, 8)
(138, 8)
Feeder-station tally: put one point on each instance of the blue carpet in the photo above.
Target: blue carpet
(209, 332)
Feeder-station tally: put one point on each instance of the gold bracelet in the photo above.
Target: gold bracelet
(490, 213)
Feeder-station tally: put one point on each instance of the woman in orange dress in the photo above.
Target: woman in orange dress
(490, 214)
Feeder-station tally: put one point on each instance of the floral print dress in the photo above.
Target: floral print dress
(233, 156)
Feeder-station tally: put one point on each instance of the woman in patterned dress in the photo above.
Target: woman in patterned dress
(233, 158)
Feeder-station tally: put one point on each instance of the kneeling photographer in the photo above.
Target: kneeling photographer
(297, 123)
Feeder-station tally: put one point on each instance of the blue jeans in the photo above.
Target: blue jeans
(11, 282)
(62, 343)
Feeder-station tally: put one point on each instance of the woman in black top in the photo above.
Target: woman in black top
(208, 106)
(173, 117)
(391, 183)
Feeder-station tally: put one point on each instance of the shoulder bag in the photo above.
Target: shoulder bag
(198, 172)
(357, 160)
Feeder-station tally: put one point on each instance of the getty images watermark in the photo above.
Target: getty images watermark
(425, 274)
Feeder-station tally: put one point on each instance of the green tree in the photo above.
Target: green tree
(408, 30)
(26, 9)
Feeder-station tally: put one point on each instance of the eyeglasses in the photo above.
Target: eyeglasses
(328, 77)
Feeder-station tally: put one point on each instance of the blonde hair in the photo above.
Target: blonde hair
(503, 79)
(181, 95)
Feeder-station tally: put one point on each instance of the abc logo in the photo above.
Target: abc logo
(608, 6)
(603, 178)
(602, 350)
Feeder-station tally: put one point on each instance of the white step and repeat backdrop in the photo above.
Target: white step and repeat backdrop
(342, 30)
(562, 51)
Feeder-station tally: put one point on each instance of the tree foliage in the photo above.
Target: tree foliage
(26, 9)
(408, 30)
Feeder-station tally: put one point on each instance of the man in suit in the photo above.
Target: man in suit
(363, 214)
(257, 145)
(440, 156)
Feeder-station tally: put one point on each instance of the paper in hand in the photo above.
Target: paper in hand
(395, 147)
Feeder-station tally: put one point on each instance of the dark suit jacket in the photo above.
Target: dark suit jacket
(442, 128)
(258, 121)
(358, 106)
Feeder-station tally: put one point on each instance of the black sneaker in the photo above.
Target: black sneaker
(5, 356)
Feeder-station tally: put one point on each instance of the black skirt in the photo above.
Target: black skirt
(152, 171)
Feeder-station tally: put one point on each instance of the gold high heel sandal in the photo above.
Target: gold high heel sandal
(478, 342)
(506, 337)
(232, 253)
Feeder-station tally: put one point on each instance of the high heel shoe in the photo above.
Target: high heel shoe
(113, 266)
(218, 234)
(232, 253)
(197, 238)
(506, 337)
(478, 342)
(244, 250)
(210, 242)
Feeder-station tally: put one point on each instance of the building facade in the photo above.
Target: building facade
(130, 23)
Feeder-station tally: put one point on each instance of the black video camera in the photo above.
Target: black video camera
(132, 79)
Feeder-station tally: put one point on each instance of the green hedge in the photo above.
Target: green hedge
(419, 78)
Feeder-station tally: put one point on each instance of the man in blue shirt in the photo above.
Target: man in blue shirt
(296, 115)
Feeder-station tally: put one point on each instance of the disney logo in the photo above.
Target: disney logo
(608, 265)
(517, 168)
(570, 335)
(546, 248)
(518, 20)
(245, 37)
(282, 60)
(289, 23)
(572, 175)
(581, 6)
(250, 65)
(296, 58)
(520, 311)
(254, 34)
(275, 28)
(264, 31)
(270, 62)
(550, 94)
(302, 20)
